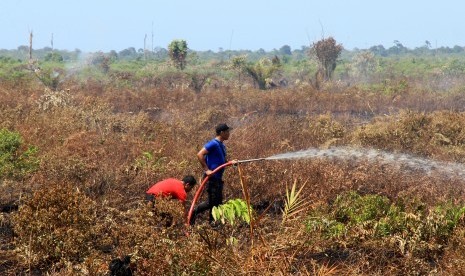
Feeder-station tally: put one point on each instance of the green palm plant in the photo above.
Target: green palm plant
(294, 203)
(263, 70)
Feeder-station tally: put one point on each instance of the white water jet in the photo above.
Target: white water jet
(401, 161)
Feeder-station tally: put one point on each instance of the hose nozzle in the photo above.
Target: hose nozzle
(250, 160)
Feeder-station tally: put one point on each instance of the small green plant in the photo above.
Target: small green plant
(293, 204)
(13, 162)
(231, 211)
(151, 161)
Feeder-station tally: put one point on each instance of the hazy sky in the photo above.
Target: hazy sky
(93, 25)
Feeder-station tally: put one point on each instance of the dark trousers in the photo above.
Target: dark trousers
(215, 198)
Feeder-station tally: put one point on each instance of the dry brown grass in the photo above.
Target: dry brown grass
(93, 170)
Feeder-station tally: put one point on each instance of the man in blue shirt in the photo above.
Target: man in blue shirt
(211, 156)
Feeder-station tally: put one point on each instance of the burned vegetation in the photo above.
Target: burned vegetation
(75, 163)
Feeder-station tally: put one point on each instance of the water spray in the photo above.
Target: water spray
(403, 162)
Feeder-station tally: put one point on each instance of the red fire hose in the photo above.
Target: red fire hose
(200, 190)
(202, 185)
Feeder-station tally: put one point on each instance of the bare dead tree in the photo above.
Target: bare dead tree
(145, 48)
(30, 45)
(152, 37)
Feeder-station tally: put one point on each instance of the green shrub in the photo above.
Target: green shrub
(419, 230)
(353, 208)
(13, 162)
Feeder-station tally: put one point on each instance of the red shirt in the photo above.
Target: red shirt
(169, 187)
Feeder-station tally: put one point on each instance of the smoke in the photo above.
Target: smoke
(75, 67)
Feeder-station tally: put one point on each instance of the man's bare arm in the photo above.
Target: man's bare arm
(201, 157)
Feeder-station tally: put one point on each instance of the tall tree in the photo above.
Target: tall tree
(326, 52)
(285, 50)
(178, 52)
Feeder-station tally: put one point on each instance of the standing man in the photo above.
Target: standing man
(211, 156)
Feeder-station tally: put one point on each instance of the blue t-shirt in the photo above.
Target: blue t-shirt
(216, 156)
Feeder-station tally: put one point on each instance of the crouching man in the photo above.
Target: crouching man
(173, 188)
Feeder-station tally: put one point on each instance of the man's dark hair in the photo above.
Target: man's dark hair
(221, 127)
(189, 179)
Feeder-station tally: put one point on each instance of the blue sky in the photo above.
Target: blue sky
(209, 25)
